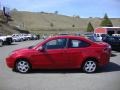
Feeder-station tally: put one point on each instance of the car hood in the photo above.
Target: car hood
(22, 50)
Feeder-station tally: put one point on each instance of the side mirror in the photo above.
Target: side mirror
(41, 49)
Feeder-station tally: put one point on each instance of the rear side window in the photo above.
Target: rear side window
(77, 44)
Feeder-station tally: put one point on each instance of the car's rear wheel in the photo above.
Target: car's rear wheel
(90, 66)
(22, 66)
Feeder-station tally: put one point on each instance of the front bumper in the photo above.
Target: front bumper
(10, 62)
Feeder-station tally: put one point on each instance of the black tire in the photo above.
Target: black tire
(22, 66)
(1, 43)
(89, 66)
(9, 43)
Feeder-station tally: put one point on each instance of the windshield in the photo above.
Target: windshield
(32, 46)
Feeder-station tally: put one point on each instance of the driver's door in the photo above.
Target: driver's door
(53, 55)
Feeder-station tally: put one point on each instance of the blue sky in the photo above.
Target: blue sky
(83, 8)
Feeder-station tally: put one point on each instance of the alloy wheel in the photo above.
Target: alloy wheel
(90, 66)
(22, 66)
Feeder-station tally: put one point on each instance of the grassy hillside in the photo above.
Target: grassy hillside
(52, 23)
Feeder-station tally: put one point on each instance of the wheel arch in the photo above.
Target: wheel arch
(22, 58)
(90, 58)
(87, 59)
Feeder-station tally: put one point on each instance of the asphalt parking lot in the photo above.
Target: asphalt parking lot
(105, 79)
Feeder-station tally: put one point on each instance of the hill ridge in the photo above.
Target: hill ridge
(39, 22)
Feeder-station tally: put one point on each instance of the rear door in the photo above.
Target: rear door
(75, 52)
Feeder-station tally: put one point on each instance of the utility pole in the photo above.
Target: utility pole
(0, 5)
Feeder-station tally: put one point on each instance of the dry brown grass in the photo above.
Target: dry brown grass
(41, 22)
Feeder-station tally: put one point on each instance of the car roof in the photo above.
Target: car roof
(67, 36)
(71, 37)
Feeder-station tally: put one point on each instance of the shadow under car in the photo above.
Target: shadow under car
(111, 67)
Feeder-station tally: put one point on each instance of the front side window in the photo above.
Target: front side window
(56, 44)
(77, 44)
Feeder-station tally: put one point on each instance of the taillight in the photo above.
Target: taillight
(105, 49)
(109, 46)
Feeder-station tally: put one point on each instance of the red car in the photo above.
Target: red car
(61, 52)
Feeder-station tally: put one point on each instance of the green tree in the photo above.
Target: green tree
(106, 22)
(51, 24)
(14, 10)
(73, 25)
(90, 27)
(56, 12)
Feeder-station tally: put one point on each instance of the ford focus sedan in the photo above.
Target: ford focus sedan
(61, 52)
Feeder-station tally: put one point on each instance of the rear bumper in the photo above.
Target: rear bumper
(104, 62)
(105, 59)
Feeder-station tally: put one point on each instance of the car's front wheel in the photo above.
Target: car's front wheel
(89, 66)
(22, 66)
